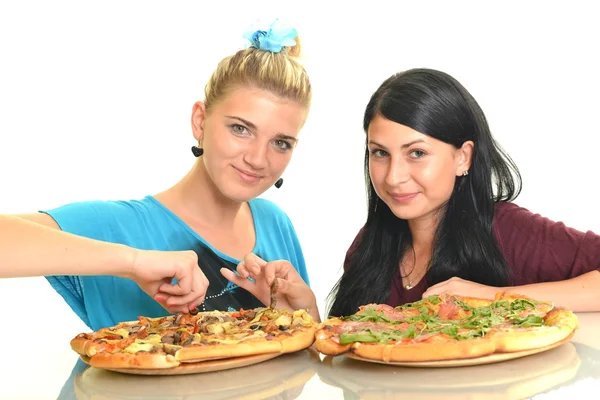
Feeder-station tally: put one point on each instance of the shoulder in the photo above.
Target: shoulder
(510, 216)
(514, 217)
(520, 227)
(101, 208)
(504, 210)
(267, 211)
(86, 216)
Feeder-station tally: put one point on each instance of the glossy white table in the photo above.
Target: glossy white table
(570, 371)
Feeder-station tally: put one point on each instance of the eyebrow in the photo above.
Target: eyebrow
(253, 127)
(403, 146)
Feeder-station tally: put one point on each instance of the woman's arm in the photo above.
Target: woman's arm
(579, 294)
(548, 261)
(30, 249)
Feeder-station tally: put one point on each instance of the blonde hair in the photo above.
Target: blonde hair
(279, 73)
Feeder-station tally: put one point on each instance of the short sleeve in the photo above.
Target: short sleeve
(541, 250)
(86, 219)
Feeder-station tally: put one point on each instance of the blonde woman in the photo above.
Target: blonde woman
(245, 131)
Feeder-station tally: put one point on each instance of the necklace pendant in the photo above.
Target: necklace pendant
(408, 286)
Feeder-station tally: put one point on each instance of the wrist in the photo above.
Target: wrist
(128, 262)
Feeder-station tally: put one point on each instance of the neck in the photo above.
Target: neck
(422, 231)
(196, 198)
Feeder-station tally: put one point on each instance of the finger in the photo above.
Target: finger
(184, 273)
(162, 298)
(242, 270)
(254, 264)
(238, 280)
(275, 269)
(198, 291)
(175, 301)
(181, 284)
(172, 289)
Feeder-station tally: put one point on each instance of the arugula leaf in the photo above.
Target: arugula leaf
(369, 336)
(521, 305)
(370, 315)
(529, 321)
(463, 305)
(435, 299)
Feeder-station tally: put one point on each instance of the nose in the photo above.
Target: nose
(398, 172)
(256, 154)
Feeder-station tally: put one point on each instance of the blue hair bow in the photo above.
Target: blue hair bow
(273, 38)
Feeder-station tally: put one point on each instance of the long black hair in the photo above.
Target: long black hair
(433, 103)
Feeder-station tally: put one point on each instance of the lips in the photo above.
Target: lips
(403, 197)
(248, 176)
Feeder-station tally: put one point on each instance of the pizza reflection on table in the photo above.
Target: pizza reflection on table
(280, 377)
(514, 379)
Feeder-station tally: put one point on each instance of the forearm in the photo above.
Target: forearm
(30, 249)
(578, 294)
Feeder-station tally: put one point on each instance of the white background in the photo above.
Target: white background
(95, 103)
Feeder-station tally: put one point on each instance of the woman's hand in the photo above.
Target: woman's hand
(154, 272)
(461, 287)
(292, 292)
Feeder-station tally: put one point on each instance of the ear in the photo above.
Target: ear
(464, 156)
(198, 117)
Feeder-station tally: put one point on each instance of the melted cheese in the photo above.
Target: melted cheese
(153, 339)
(283, 320)
(135, 347)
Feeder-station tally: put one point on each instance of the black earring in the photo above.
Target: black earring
(279, 183)
(197, 151)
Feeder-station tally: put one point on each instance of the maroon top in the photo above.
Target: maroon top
(535, 248)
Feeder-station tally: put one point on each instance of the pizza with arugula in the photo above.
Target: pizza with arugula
(446, 327)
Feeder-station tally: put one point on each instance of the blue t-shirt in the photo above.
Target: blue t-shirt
(102, 301)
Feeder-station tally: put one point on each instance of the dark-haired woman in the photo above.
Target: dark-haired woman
(441, 216)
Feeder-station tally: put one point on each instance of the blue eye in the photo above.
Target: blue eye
(378, 153)
(238, 129)
(417, 154)
(282, 144)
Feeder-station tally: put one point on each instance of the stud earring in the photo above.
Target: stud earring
(465, 172)
(279, 183)
(197, 151)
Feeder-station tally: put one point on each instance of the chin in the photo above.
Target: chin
(407, 212)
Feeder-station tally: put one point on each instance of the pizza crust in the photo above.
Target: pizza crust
(300, 339)
(79, 345)
(561, 325)
(324, 342)
(425, 351)
(213, 351)
(137, 360)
